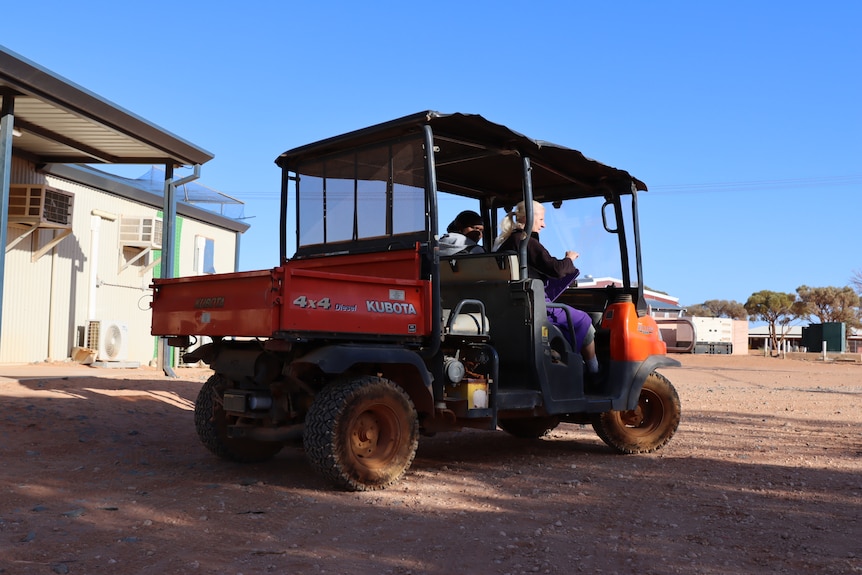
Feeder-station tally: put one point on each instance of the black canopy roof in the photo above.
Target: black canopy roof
(494, 167)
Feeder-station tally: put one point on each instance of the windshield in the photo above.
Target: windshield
(577, 225)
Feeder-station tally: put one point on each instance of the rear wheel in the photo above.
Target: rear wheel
(362, 434)
(211, 423)
(647, 427)
(529, 427)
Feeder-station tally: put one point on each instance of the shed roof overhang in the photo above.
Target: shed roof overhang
(61, 122)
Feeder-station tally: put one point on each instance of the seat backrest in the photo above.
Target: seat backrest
(468, 276)
(471, 268)
(467, 323)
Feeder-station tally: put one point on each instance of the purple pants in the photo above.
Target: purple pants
(581, 323)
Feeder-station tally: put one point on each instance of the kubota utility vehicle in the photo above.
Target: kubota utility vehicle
(366, 337)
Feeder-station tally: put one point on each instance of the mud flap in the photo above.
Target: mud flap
(649, 365)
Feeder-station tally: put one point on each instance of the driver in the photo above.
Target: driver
(542, 265)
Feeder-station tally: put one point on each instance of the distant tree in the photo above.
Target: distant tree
(776, 309)
(735, 310)
(699, 310)
(718, 308)
(856, 280)
(831, 304)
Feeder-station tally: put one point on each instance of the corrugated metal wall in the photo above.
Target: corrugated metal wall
(27, 287)
(46, 303)
(24, 172)
(25, 310)
(119, 295)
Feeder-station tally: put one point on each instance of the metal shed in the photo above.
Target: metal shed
(47, 120)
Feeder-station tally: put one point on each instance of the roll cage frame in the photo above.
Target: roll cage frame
(491, 163)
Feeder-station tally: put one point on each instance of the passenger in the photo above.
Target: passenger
(463, 235)
(542, 265)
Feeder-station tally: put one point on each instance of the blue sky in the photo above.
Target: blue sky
(743, 118)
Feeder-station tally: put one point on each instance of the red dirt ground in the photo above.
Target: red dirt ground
(103, 473)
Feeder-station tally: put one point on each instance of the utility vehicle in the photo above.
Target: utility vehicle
(365, 338)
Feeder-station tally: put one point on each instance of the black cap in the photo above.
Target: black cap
(463, 220)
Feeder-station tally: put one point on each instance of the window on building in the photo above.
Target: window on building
(139, 236)
(204, 255)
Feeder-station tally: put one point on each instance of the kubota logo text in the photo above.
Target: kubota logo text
(204, 302)
(395, 307)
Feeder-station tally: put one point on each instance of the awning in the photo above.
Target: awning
(57, 121)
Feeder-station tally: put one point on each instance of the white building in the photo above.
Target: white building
(81, 246)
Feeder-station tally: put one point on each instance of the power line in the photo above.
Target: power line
(757, 185)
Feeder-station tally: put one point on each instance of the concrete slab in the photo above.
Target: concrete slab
(66, 369)
(24, 371)
(116, 364)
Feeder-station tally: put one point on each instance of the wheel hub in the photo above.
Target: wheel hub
(633, 418)
(365, 435)
(648, 414)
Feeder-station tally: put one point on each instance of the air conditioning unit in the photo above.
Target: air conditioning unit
(141, 232)
(39, 206)
(110, 339)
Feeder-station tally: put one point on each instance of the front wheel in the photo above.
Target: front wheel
(647, 427)
(362, 434)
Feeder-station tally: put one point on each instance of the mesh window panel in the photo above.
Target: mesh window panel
(58, 207)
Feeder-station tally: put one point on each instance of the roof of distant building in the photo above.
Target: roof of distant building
(140, 191)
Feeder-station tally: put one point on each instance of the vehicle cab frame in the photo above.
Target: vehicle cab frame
(375, 191)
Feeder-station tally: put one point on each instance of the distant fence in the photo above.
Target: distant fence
(830, 356)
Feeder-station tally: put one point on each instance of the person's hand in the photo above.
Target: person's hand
(572, 255)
